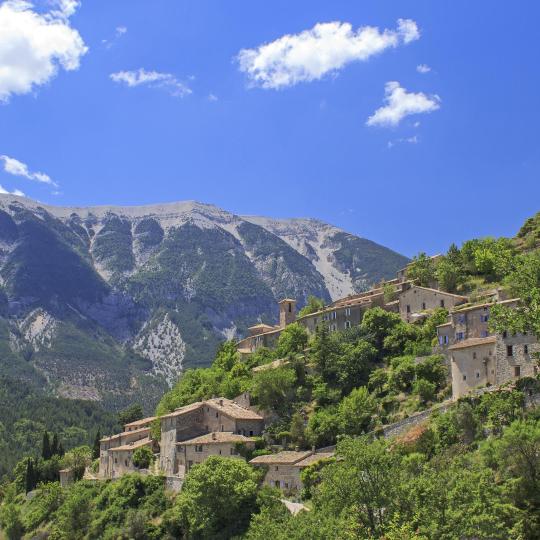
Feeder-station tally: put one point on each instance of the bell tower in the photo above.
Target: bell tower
(287, 312)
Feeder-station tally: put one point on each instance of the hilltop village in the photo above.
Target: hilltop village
(474, 357)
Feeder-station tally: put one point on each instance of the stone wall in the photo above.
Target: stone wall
(506, 365)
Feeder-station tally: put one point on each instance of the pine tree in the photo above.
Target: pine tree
(46, 447)
(61, 450)
(95, 449)
(54, 445)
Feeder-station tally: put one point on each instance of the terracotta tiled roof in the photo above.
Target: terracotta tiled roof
(440, 292)
(458, 309)
(142, 422)
(216, 438)
(184, 410)
(473, 342)
(310, 460)
(125, 434)
(284, 458)
(232, 409)
(132, 446)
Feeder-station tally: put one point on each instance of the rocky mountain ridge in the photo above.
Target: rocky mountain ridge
(111, 303)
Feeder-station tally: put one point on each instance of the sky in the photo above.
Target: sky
(413, 123)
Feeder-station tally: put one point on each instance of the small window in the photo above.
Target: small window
(347, 324)
(217, 415)
(423, 305)
(277, 468)
(464, 377)
(442, 303)
(290, 308)
(251, 433)
(474, 355)
(505, 334)
(286, 485)
(517, 371)
(276, 483)
(408, 308)
(477, 374)
(509, 350)
(525, 349)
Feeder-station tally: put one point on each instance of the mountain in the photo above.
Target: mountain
(111, 303)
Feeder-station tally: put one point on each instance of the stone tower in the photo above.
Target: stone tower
(287, 312)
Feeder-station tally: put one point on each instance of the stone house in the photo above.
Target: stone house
(415, 301)
(477, 357)
(217, 415)
(199, 449)
(113, 464)
(284, 468)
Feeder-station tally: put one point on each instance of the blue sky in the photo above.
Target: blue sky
(288, 138)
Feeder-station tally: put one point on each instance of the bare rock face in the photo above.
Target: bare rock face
(112, 303)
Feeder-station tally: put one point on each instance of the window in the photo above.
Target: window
(445, 339)
(290, 308)
(190, 464)
(277, 468)
(233, 451)
(198, 448)
(474, 355)
(525, 349)
(334, 315)
(505, 334)
(220, 452)
(276, 483)
(442, 303)
(464, 377)
(517, 371)
(484, 333)
(251, 433)
(441, 340)
(423, 305)
(459, 336)
(286, 485)
(408, 308)
(461, 319)
(347, 324)
(348, 311)
(509, 350)
(477, 374)
(217, 415)
(484, 318)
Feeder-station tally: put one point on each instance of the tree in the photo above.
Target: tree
(77, 460)
(313, 305)
(273, 388)
(131, 414)
(11, 521)
(217, 499)
(31, 475)
(292, 340)
(227, 356)
(96, 445)
(377, 324)
(356, 412)
(424, 389)
(323, 427)
(389, 293)
(46, 447)
(143, 457)
(55, 445)
(298, 430)
(355, 364)
(450, 270)
(422, 270)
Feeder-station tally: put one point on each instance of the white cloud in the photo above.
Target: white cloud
(18, 192)
(18, 168)
(119, 32)
(312, 54)
(212, 97)
(423, 68)
(154, 79)
(400, 103)
(65, 8)
(33, 46)
(407, 140)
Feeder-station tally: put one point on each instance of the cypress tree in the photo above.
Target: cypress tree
(61, 450)
(54, 445)
(95, 449)
(46, 447)
(29, 479)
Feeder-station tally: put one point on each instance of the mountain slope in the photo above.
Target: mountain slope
(111, 303)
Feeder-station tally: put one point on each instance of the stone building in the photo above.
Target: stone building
(415, 301)
(116, 451)
(213, 416)
(199, 449)
(284, 468)
(476, 357)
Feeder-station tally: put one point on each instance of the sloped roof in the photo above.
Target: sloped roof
(284, 458)
(473, 342)
(310, 460)
(216, 438)
(232, 409)
(132, 446)
(184, 410)
(124, 434)
(142, 422)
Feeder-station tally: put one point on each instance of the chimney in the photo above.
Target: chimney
(287, 312)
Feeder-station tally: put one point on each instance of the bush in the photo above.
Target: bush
(143, 457)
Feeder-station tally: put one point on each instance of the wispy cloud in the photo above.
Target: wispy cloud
(212, 97)
(153, 79)
(399, 103)
(18, 192)
(404, 140)
(119, 32)
(34, 46)
(18, 168)
(322, 50)
(423, 68)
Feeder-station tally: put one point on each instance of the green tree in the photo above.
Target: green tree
(356, 412)
(131, 414)
(422, 270)
(11, 522)
(424, 389)
(77, 460)
(323, 427)
(217, 499)
(46, 446)
(96, 445)
(227, 356)
(377, 324)
(292, 340)
(143, 457)
(313, 305)
(274, 388)
(355, 364)
(450, 270)
(298, 430)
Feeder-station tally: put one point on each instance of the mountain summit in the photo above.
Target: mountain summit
(111, 303)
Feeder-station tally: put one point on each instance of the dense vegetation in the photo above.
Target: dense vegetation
(26, 414)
